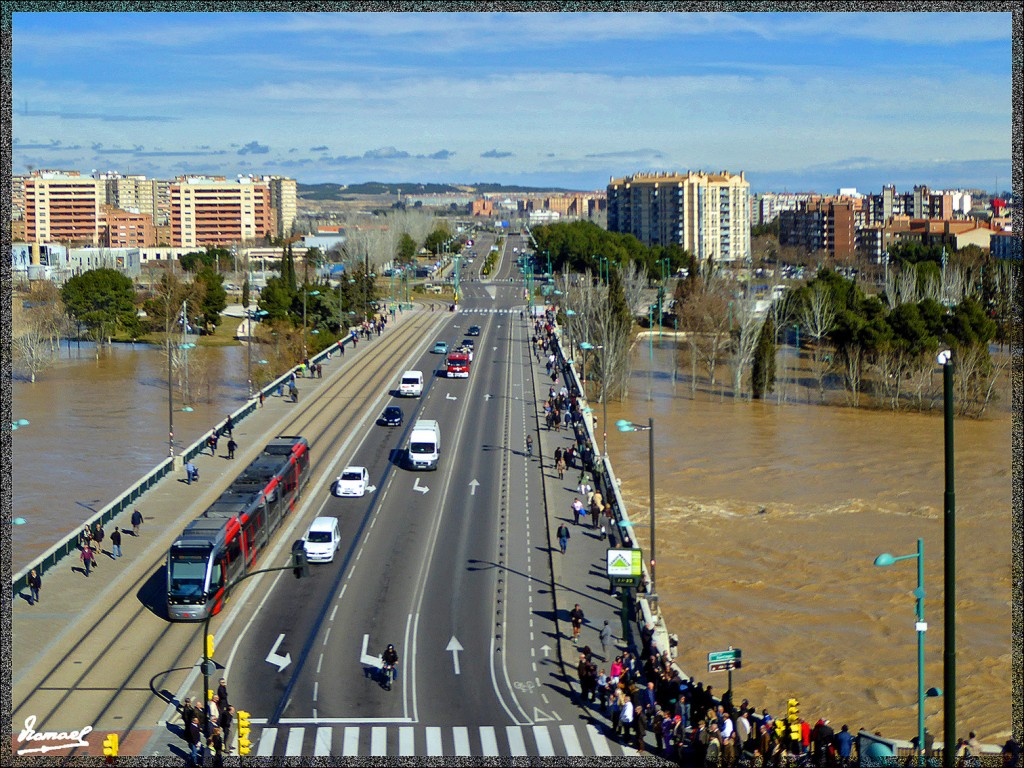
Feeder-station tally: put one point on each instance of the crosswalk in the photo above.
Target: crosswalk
(489, 311)
(572, 740)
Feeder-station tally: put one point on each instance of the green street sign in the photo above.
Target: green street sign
(718, 657)
(624, 563)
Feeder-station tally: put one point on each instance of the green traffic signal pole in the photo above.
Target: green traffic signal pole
(206, 633)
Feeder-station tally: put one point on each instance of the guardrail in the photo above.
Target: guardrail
(127, 498)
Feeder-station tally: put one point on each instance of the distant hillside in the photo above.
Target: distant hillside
(343, 191)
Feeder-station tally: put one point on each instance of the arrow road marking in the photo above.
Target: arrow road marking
(421, 488)
(448, 396)
(279, 661)
(366, 659)
(487, 396)
(454, 646)
(371, 488)
(546, 649)
(473, 486)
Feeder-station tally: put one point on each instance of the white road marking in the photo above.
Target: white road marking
(294, 746)
(516, 745)
(597, 741)
(350, 747)
(406, 741)
(488, 741)
(461, 736)
(266, 745)
(572, 743)
(322, 743)
(544, 746)
(434, 742)
(378, 741)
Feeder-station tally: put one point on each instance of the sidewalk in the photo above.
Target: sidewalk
(43, 633)
(579, 574)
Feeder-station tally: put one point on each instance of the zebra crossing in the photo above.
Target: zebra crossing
(573, 740)
(489, 311)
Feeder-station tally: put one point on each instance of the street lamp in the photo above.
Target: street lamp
(248, 343)
(569, 315)
(304, 294)
(949, 560)
(19, 423)
(586, 347)
(628, 426)
(921, 626)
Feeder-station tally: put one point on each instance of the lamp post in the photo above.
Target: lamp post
(586, 347)
(19, 423)
(628, 426)
(949, 560)
(650, 349)
(305, 293)
(569, 314)
(921, 627)
(248, 343)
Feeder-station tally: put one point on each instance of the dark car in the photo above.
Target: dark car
(474, 330)
(391, 417)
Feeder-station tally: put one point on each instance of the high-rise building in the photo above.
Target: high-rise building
(284, 201)
(64, 208)
(137, 194)
(218, 212)
(708, 214)
(828, 224)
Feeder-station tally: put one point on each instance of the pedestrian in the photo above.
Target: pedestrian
(88, 559)
(222, 694)
(231, 448)
(640, 726)
(577, 508)
(606, 637)
(216, 743)
(213, 443)
(136, 522)
(84, 538)
(194, 737)
(563, 537)
(341, 347)
(227, 718)
(576, 617)
(560, 466)
(35, 583)
(261, 398)
(212, 715)
(98, 536)
(115, 542)
(189, 471)
(626, 716)
(320, 369)
(595, 511)
(228, 426)
(187, 712)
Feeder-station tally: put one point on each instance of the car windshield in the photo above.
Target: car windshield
(352, 475)
(410, 381)
(188, 575)
(318, 537)
(421, 447)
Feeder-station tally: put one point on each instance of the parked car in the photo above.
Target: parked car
(391, 417)
(352, 482)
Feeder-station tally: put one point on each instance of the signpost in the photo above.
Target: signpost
(725, 661)
(625, 569)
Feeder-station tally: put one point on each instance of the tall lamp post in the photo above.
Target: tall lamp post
(248, 342)
(628, 426)
(585, 346)
(569, 315)
(305, 293)
(949, 560)
(921, 626)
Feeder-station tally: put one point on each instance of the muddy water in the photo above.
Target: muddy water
(795, 587)
(97, 425)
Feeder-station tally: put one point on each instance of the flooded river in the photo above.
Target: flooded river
(97, 425)
(795, 587)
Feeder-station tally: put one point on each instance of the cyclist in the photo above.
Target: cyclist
(529, 445)
(390, 659)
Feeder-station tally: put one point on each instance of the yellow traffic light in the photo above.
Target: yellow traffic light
(110, 745)
(793, 711)
(209, 646)
(244, 745)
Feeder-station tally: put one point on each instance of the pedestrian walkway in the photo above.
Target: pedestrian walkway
(572, 740)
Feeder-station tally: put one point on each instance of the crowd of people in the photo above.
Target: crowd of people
(209, 729)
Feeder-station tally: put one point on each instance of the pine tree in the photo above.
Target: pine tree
(245, 293)
(763, 372)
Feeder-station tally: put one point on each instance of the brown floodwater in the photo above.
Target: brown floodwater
(795, 587)
(96, 425)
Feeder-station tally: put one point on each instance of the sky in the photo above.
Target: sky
(797, 101)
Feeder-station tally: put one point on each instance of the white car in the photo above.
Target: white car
(322, 540)
(352, 482)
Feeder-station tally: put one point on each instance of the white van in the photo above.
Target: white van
(322, 540)
(424, 444)
(411, 384)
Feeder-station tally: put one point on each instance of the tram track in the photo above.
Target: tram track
(104, 677)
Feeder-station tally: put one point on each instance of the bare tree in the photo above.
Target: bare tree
(743, 339)
(818, 317)
(783, 312)
(634, 286)
(705, 314)
(906, 288)
(32, 351)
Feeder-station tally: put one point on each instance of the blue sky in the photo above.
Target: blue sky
(799, 101)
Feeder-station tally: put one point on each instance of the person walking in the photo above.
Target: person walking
(576, 617)
(194, 737)
(190, 469)
(213, 443)
(35, 583)
(227, 718)
(228, 426)
(136, 522)
(216, 743)
(231, 448)
(606, 638)
(563, 537)
(261, 398)
(222, 694)
(98, 536)
(595, 511)
(560, 466)
(577, 508)
(529, 445)
(115, 542)
(88, 559)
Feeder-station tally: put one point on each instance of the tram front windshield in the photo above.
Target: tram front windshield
(187, 577)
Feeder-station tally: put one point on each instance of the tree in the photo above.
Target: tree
(705, 314)
(276, 299)
(215, 298)
(103, 300)
(435, 240)
(817, 317)
(406, 249)
(245, 293)
(744, 333)
(762, 376)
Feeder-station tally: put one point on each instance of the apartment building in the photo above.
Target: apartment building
(138, 194)
(63, 207)
(284, 201)
(708, 214)
(123, 229)
(828, 224)
(217, 212)
(766, 207)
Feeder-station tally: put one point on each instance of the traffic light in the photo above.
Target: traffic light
(793, 718)
(209, 646)
(300, 567)
(110, 746)
(244, 745)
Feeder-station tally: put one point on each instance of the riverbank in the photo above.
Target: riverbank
(795, 586)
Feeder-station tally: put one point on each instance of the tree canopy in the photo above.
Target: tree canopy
(103, 300)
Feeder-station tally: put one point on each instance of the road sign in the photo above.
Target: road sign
(725, 661)
(625, 567)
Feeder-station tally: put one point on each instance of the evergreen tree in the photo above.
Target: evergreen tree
(245, 293)
(763, 371)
